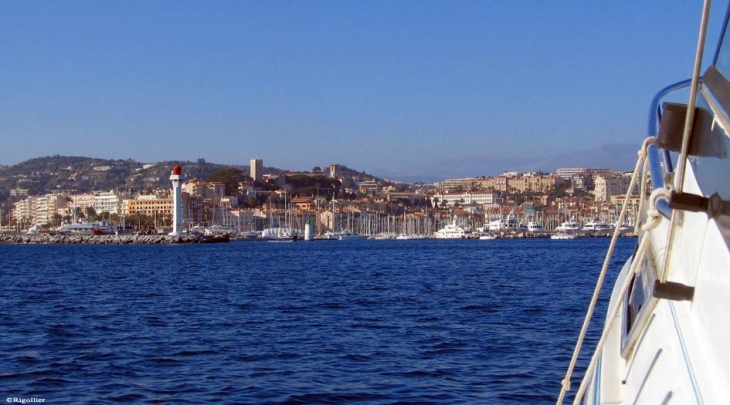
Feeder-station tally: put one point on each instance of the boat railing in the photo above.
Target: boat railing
(661, 157)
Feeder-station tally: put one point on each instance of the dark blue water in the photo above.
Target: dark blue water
(434, 321)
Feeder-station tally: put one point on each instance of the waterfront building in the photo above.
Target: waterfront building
(109, 202)
(151, 205)
(22, 212)
(38, 210)
(82, 201)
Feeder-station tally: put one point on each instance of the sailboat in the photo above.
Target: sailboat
(666, 331)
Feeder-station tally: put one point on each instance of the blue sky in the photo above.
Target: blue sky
(393, 88)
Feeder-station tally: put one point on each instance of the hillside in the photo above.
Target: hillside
(76, 174)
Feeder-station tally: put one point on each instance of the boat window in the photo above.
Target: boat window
(636, 302)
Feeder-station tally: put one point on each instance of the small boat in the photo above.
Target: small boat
(487, 237)
(665, 335)
(346, 234)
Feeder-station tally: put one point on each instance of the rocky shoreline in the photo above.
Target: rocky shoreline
(131, 239)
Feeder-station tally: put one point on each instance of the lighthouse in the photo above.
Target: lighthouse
(177, 179)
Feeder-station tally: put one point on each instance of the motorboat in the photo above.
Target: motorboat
(665, 335)
(534, 227)
(452, 231)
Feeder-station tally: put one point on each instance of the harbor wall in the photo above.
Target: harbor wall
(109, 239)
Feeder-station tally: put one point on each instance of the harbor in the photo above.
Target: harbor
(189, 238)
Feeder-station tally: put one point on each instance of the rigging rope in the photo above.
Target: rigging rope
(640, 165)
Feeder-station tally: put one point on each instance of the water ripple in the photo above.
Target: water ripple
(373, 321)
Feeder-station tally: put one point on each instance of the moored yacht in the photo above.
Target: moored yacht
(452, 231)
(596, 225)
(570, 225)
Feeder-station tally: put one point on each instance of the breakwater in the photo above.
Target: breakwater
(111, 239)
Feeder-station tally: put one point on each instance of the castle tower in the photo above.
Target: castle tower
(177, 179)
(257, 169)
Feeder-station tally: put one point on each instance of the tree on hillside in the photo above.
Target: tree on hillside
(230, 177)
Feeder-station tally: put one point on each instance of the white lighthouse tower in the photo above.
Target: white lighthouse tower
(177, 179)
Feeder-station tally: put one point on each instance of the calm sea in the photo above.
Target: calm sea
(434, 321)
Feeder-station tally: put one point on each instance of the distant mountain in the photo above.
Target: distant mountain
(617, 157)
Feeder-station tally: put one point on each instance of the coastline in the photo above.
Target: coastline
(131, 239)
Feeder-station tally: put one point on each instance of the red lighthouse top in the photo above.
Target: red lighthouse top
(177, 170)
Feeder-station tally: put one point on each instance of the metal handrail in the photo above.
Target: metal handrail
(655, 155)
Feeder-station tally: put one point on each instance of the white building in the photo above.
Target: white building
(110, 202)
(82, 201)
(23, 211)
(477, 197)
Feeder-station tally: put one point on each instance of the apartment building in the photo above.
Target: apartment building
(460, 184)
(606, 186)
(493, 183)
(531, 182)
(151, 205)
(109, 202)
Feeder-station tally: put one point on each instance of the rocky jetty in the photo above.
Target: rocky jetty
(111, 239)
